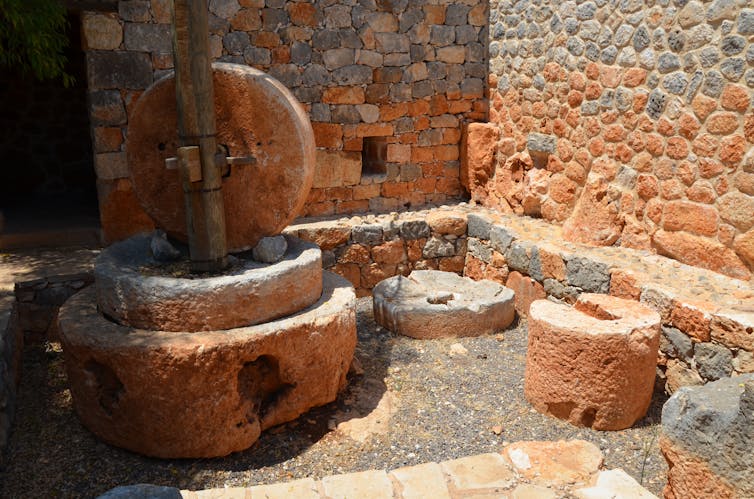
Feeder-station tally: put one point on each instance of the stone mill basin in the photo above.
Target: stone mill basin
(134, 289)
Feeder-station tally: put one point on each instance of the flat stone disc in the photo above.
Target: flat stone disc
(255, 115)
(435, 304)
(249, 293)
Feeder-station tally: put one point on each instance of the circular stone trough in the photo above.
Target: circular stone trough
(592, 364)
(205, 394)
(252, 294)
(437, 304)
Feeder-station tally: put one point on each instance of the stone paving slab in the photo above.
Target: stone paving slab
(521, 470)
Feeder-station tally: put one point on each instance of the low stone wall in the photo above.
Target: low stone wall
(366, 250)
(38, 302)
(707, 327)
(11, 344)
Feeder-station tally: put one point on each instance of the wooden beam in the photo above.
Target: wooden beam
(205, 212)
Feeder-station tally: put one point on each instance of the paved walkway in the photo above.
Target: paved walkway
(540, 470)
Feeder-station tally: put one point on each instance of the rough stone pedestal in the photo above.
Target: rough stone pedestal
(205, 394)
(251, 293)
(592, 364)
(708, 440)
(436, 304)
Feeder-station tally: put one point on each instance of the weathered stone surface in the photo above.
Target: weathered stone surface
(436, 304)
(595, 219)
(701, 252)
(713, 361)
(100, 31)
(734, 328)
(614, 483)
(444, 222)
(142, 491)
(708, 440)
(550, 463)
(587, 274)
(118, 70)
(270, 249)
(251, 294)
(478, 158)
(592, 364)
(526, 291)
(260, 199)
(205, 394)
(478, 472)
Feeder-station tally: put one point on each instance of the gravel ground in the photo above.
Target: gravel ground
(448, 401)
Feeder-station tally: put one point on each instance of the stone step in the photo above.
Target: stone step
(521, 470)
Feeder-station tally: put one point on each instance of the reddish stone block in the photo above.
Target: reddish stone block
(302, 14)
(414, 248)
(374, 130)
(246, 20)
(350, 271)
(577, 81)
(647, 186)
(700, 252)
(527, 291)
(356, 253)
(611, 76)
(474, 267)
(735, 98)
(389, 252)
(107, 139)
(722, 123)
(655, 144)
(703, 106)
(266, 39)
(693, 319)
(732, 150)
(690, 217)
(434, 14)
(624, 284)
(634, 77)
(373, 273)
(328, 135)
(592, 364)
(701, 192)
(452, 264)
(749, 127)
(343, 95)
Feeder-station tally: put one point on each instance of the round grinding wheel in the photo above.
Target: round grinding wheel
(255, 116)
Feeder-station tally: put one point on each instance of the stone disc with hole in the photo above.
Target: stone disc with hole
(435, 304)
(255, 115)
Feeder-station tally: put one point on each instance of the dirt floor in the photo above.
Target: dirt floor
(412, 401)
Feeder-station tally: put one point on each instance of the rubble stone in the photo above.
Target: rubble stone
(708, 439)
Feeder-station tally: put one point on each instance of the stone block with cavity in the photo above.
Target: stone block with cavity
(592, 364)
(207, 393)
(437, 304)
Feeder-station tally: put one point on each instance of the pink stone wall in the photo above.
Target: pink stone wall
(646, 113)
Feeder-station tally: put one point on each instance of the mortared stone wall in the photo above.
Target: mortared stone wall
(401, 75)
(628, 122)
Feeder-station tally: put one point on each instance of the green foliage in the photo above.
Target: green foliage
(33, 38)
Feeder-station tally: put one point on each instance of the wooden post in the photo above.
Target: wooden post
(205, 213)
